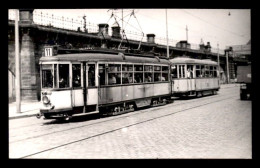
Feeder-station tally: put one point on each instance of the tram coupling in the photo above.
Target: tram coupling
(38, 115)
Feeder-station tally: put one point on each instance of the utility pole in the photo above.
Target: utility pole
(218, 60)
(227, 53)
(187, 33)
(167, 35)
(17, 65)
(122, 18)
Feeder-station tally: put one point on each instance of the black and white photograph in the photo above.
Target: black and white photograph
(123, 83)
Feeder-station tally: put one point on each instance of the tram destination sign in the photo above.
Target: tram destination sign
(49, 51)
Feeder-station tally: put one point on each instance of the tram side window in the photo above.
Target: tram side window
(189, 71)
(127, 74)
(157, 73)
(211, 71)
(203, 71)
(148, 75)
(138, 74)
(47, 76)
(63, 75)
(215, 72)
(181, 71)
(55, 76)
(91, 74)
(165, 73)
(198, 71)
(114, 74)
(174, 71)
(207, 71)
(76, 75)
(102, 77)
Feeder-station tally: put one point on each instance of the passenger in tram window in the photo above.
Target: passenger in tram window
(138, 78)
(188, 73)
(62, 83)
(91, 77)
(76, 81)
(148, 78)
(163, 78)
(125, 78)
(112, 79)
(130, 78)
(203, 72)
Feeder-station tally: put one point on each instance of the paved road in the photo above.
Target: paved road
(216, 126)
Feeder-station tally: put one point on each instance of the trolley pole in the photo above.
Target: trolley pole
(17, 65)
(167, 35)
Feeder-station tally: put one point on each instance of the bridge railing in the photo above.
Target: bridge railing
(69, 23)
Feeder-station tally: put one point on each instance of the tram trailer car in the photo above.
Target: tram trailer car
(105, 83)
(194, 77)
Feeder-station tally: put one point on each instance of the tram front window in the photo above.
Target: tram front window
(47, 76)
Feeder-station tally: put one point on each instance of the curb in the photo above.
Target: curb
(22, 116)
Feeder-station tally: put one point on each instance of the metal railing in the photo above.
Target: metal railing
(50, 20)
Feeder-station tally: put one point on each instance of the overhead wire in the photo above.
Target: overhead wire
(213, 24)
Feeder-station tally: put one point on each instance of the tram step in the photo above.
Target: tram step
(81, 114)
(159, 104)
(122, 112)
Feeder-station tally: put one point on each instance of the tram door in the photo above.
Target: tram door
(190, 77)
(91, 83)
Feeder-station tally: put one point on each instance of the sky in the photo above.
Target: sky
(218, 26)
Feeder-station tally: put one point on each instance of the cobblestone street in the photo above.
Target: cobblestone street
(216, 126)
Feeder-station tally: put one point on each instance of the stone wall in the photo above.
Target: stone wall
(28, 72)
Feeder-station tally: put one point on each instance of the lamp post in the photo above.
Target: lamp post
(17, 65)
(167, 35)
(218, 62)
(227, 62)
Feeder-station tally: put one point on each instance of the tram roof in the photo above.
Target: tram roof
(105, 57)
(180, 60)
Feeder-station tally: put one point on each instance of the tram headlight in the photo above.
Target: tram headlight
(45, 100)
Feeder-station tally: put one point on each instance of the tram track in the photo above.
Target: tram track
(30, 125)
(129, 125)
(127, 115)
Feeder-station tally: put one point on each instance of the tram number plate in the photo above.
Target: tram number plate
(48, 51)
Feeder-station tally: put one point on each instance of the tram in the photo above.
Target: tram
(194, 77)
(108, 83)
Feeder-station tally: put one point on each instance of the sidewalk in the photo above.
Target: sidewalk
(31, 108)
(28, 109)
